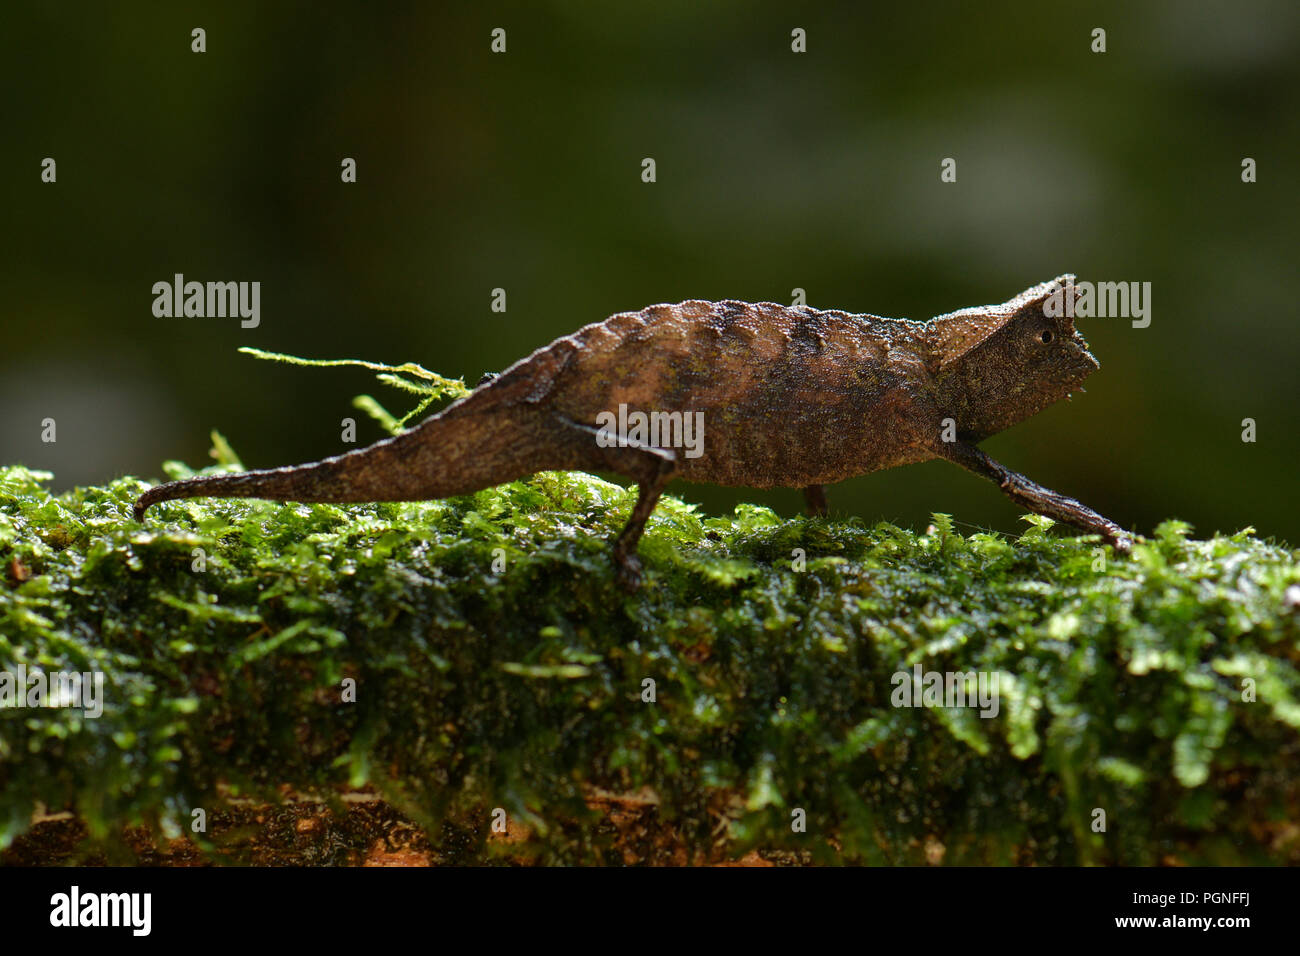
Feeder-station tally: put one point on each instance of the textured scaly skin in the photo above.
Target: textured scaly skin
(791, 397)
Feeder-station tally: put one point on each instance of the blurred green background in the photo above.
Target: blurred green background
(775, 170)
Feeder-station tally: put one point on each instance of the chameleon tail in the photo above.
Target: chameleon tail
(318, 481)
(448, 454)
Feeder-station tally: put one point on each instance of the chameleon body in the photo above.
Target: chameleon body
(787, 397)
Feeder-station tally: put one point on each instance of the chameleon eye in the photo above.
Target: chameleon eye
(1046, 337)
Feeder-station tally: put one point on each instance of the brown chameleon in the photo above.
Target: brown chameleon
(785, 396)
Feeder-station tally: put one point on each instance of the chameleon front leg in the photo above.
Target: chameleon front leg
(815, 497)
(1035, 497)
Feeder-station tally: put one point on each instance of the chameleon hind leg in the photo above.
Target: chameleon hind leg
(650, 485)
(651, 468)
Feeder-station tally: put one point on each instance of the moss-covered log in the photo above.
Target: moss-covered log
(498, 665)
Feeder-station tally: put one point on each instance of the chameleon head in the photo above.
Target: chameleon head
(1028, 356)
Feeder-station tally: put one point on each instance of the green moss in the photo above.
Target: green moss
(1121, 679)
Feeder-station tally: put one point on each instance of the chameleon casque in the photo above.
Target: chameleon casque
(791, 397)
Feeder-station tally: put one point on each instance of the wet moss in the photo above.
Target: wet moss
(498, 665)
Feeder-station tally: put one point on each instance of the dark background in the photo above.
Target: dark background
(775, 170)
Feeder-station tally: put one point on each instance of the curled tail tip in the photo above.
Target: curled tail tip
(150, 498)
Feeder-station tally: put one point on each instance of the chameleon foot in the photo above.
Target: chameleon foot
(627, 568)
